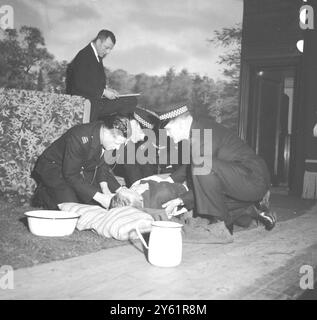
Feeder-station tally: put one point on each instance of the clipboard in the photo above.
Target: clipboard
(129, 95)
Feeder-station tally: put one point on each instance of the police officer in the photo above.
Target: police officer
(155, 146)
(143, 119)
(234, 178)
(73, 168)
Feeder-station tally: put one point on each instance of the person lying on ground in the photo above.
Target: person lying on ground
(154, 194)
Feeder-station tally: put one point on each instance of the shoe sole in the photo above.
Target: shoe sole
(268, 219)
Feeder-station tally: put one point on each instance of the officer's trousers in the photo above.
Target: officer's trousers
(229, 189)
(53, 189)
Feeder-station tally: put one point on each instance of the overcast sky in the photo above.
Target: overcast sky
(152, 35)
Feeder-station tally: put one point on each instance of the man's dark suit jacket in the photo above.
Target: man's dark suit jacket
(86, 77)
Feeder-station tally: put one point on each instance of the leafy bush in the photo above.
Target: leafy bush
(29, 122)
(225, 111)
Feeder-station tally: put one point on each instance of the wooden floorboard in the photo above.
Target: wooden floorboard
(258, 265)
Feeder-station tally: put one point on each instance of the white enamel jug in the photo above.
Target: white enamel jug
(165, 243)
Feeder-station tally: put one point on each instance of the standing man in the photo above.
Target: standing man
(236, 180)
(86, 77)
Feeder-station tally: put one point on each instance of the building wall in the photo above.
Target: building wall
(271, 28)
(309, 99)
(270, 33)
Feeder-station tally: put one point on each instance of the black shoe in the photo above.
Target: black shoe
(264, 215)
(268, 219)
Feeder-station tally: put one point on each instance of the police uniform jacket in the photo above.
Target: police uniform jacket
(226, 146)
(76, 153)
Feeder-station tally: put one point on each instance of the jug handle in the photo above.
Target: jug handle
(141, 237)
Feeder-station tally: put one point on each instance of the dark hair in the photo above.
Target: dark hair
(118, 122)
(119, 201)
(104, 35)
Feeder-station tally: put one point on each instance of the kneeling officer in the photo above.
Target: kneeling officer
(73, 169)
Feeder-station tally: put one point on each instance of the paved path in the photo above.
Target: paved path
(258, 265)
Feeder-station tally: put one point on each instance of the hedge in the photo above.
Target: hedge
(29, 122)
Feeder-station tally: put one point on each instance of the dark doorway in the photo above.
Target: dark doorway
(271, 114)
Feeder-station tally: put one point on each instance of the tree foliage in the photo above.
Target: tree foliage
(21, 53)
(230, 38)
(172, 87)
(225, 108)
(25, 63)
(30, 121)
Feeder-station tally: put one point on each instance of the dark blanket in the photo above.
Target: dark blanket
(161, 192)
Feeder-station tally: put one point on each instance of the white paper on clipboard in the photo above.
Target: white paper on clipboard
(129, 95)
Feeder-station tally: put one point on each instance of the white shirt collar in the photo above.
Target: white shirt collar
(95, 51)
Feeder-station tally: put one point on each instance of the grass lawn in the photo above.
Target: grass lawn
(20, 248)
